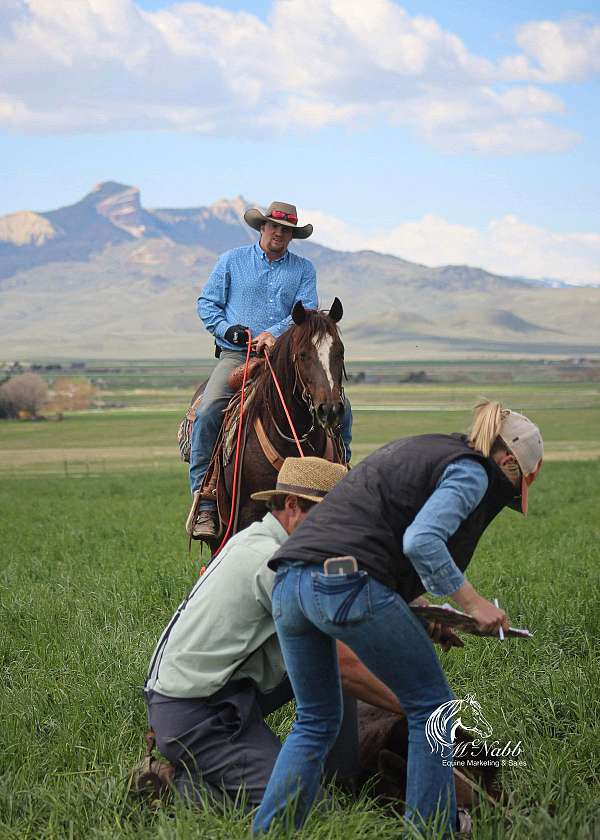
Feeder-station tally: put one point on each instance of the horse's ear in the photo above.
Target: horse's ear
(337, 310)
(298, 313)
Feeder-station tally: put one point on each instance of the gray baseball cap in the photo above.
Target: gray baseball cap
(523, 439)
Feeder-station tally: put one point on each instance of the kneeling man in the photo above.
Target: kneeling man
(217, 670)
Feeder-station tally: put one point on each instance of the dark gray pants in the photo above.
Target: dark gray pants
(221, 745)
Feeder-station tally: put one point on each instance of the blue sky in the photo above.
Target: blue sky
(443, 132)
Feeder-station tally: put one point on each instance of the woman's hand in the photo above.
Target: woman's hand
(443, 635)
(488, 617)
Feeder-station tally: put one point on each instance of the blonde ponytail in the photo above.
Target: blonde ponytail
(487, 420)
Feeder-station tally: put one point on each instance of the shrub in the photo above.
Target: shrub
(23, 395)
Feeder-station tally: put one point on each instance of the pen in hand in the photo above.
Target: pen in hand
(500, 630)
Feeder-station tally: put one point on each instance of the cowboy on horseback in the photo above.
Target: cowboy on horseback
(252, 290)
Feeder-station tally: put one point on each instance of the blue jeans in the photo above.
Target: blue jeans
(312, 610)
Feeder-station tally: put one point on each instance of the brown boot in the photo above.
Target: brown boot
(202, 524)
(152, 777)
(205, 526)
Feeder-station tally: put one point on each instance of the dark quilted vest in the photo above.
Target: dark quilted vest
(367, 513)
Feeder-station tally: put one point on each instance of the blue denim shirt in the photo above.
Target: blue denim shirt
(245, 288)
(460, 489)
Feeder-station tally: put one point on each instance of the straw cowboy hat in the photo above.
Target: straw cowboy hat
(309, 478)
(280, 213)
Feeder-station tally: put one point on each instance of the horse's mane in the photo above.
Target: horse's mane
(296, 339)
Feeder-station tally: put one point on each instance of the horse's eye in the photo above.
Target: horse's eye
(302, 356)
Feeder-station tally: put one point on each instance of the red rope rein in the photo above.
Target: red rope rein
(237, 448)
(239, 438)
(285, 408)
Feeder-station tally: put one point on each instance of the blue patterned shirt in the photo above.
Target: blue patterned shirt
(460, 489)
(245, 288)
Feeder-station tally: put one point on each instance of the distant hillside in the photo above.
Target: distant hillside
(107, 277)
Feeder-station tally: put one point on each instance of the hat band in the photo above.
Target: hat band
(296, 489)
(279, 214)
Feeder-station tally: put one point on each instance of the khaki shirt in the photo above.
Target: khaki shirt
(225, 629)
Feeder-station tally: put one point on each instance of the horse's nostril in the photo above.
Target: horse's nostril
(330, 414)
(338, 412)
(322, 411)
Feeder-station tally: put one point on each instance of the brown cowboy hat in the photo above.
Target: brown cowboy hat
(309, 478)
(280, 213)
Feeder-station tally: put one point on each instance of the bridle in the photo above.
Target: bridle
(307, 399)
(305, 393)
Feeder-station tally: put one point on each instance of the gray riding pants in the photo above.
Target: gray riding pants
(222, 746)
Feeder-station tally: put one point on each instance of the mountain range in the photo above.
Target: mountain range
(108, 278)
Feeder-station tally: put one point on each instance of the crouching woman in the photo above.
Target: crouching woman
(411, 514)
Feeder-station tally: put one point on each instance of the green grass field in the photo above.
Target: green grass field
(93, 566)
(143, 435)
(92, 570)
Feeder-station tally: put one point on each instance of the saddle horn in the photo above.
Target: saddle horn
(298, 313)
(337, 310)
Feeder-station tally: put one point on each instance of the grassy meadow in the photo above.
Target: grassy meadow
(94, 560)
(143, 436)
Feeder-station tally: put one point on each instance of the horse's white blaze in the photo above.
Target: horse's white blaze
(323, 348)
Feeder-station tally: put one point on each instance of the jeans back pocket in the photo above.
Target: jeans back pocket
(342, 599)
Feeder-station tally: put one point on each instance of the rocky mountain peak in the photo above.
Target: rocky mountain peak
(106, 189)
(105, 260)
(26, 228)
(121, 205)
(226, 207)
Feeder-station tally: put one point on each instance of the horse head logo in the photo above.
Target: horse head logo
(442, 724)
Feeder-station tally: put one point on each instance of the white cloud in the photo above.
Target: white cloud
(13, 112)
(503, 137)
(483, 120)
(562, 51)
(507, 245)
(95, 65)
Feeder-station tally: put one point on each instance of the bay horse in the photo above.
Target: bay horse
(308, 362)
